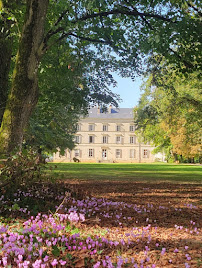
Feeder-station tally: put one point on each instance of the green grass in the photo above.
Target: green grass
(136, 172)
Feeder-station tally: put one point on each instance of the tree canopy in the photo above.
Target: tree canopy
(87, 41)
(169, 112)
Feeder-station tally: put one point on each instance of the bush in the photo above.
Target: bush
(22, 168)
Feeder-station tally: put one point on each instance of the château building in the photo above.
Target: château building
(108, 137)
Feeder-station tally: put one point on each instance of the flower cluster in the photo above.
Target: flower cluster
(100, 231)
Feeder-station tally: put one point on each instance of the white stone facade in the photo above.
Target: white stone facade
(108, 138)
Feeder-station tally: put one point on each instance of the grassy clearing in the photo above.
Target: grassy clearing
(105, 215)
(131, 172)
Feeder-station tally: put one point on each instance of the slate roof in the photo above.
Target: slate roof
(125, 113)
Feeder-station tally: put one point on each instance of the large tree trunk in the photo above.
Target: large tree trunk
(5, 60)
(24, 91)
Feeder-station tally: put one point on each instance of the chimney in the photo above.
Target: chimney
(110, 109)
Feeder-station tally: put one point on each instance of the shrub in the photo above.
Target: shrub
(22, 168)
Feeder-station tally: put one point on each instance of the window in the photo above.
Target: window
(118, 128)
(77, 153)
(132, 128)
(91, 139)
(145, 153)
(77, 139)
(104, 154)
(132, 153)
(132, 139)
(78, 127)
(104, 128)
(105, 139)
(118, 153)
(118, 139)
(91, 127)
(91, 152)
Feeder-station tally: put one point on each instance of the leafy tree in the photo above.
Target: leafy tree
(94, 32)
(64, 96)
(169, 112)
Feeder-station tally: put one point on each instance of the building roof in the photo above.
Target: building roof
(116, 113)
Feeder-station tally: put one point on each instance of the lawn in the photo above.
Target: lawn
(105, 215)
(132, 172)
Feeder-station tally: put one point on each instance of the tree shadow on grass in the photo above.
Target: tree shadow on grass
(148, 220)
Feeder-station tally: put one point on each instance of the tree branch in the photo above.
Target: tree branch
(52, 32)
(106, 42)
(142, 17)
(91, 39)
(123, 12)
(195, 8)
(186, 63)
(47, 47)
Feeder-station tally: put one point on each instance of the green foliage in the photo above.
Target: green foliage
(22, 168)
(169, 112)
(55, 251)
(85, 41)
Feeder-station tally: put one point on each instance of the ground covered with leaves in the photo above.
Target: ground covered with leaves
(101, 224)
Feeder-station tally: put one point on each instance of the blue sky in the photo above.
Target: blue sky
(128, 90)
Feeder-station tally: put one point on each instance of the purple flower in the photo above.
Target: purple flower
(97, 265)
(62, 262)
(37, 264)
(20, 257)
(4, 260)
(26, 264)
(40, 252)
(54, 262)
(45, 258)
(163, 251)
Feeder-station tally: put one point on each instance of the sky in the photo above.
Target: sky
(128, 90)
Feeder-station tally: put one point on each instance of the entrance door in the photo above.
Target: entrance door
(104, 154)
